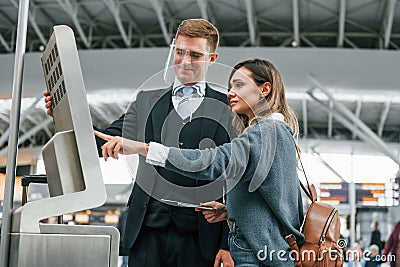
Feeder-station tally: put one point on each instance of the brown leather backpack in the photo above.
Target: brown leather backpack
(321, 228)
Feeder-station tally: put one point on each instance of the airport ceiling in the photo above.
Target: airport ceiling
(325, 124)
(151, 23)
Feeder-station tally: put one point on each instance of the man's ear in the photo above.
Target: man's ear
(213, 58)
(266, 88)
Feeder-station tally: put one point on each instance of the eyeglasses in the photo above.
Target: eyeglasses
(192, 54)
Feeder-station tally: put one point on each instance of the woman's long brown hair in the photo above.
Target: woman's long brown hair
(264, 71)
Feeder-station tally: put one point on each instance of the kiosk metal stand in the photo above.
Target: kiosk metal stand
(73, 174)
(14, 129)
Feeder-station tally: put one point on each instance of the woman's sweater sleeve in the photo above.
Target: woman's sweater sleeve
(223, 162)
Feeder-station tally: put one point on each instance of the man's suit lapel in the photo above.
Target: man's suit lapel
(160, 112)
(213, 109)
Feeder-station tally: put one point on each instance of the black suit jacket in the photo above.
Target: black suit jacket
(144, 122)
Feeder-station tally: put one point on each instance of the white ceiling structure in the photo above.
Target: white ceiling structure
(339, 60)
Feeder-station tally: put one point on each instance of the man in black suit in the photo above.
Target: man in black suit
(158, 234)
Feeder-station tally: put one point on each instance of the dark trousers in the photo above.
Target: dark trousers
(166, 248)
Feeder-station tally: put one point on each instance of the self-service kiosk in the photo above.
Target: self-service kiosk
(73, 175)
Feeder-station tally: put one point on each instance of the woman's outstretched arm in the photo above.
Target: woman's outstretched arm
(228, 160)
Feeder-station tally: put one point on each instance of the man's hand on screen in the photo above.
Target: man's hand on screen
(47, 101)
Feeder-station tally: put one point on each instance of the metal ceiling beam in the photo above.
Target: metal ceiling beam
(342, 18)
(101, 113)
(267, 34)
(359, 25)
(322, 24)
(244, 34)
(213, 20)
(122, 107)
(4, 118)
(24, 114)
(367, 32)
(389, 21)
(7, 18)
(327, 165)
(43, 10)
(395, 45)
(273, 24)
(23, 128)
(158, 9)
(112, 44)
(330, 120)
(150, 43)
(315, 134)
(169, 13)
(98, 14)
(322, 6)
(305, 118)
(32, 119)
(383, 118)
(307, 41)
(246, 42)
(236, 27)
(286, 42)
(72, 11)
(357, 114)
(348, 119)
(348, 34)
(270, 8)
(36, 28)
(89, 21)
(347, 40)
(47, 131)
(250, 21)
(46, 128)
(203, 8)
(132, 22)
(11, 24)
(363, 4)
(295, 15)
(114, 8)
(340, 118)
(33, 22)
(350, 21)
(28, 134)
(5, 44)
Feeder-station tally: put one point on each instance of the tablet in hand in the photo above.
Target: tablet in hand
(185, 204)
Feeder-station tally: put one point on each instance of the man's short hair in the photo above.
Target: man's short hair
(200, 28)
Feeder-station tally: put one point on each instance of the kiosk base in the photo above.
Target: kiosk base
(65, 245)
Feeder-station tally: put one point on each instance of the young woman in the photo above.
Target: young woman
(259, 167)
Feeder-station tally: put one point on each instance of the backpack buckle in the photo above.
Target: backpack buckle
(290, 236)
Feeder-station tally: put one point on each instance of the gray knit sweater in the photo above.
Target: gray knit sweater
(263, 188)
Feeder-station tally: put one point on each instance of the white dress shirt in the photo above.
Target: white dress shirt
(190, 104)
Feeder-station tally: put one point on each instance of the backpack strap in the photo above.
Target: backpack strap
(291, 240)
(308, 192)
(312, 195)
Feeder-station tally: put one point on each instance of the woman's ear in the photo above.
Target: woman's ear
(266, 88)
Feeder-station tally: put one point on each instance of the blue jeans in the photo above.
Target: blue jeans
(124, 261)
(241, 252)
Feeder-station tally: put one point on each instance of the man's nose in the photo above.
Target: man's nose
(186, 58)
